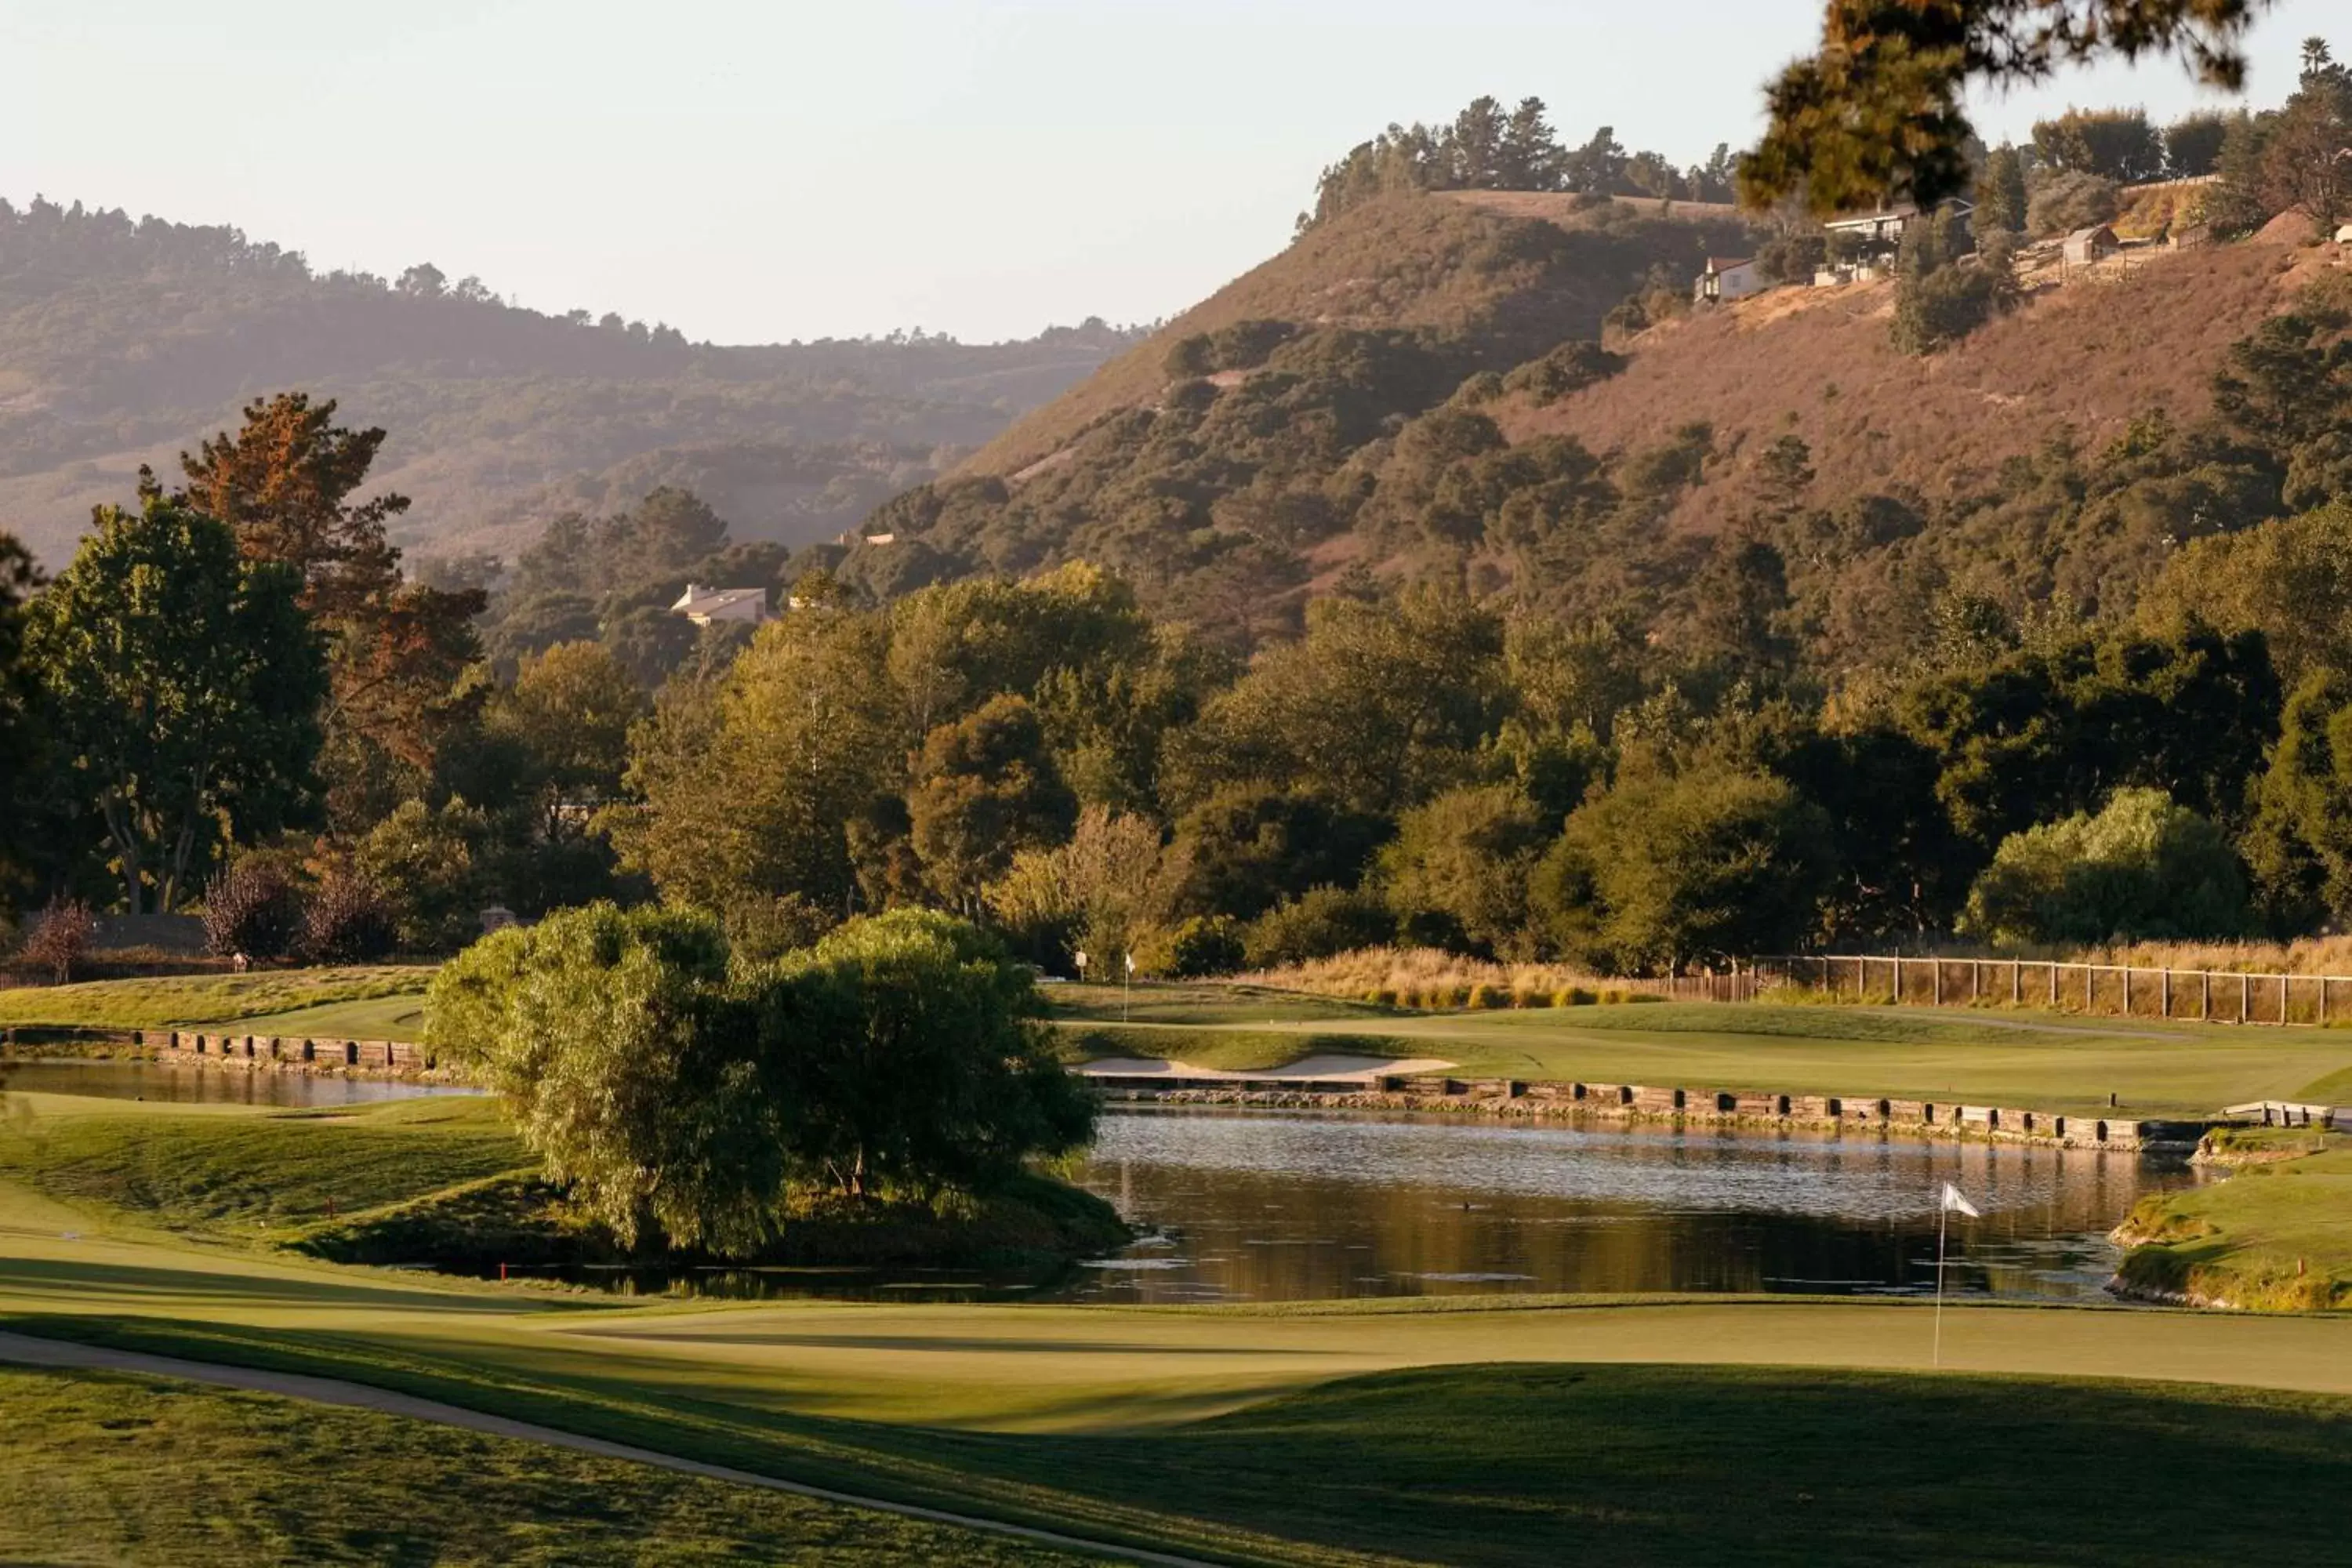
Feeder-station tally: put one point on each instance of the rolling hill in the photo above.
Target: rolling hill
(122, 342)
(1413, 389)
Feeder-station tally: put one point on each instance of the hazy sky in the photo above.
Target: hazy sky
(754, 171)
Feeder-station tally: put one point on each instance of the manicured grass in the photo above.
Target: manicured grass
(191, 999)
(2275, 1236)
(1505, 1463)
(1505, 1466)
(2030, 1061)
(113, 1468)
(399, 1016)
(1199, 1004)
(1223, 1050)
(251, 1172)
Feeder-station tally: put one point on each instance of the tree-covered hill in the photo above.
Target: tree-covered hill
(119, 338)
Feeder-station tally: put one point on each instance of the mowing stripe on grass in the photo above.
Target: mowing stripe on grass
(28, 1350)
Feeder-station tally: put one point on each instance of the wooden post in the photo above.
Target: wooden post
(1975, 980)
(2126, 989)
(1939, 963)
(2323, 999)
(2090, 974)
(2204, 993)
(2164, 991)
(2282, 999)
(2016, 983)
(1898, 977)
(2241, 998)
(2054, 985)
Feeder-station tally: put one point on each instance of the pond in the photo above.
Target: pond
(189, 1083)
(1269, 1206)
(1247, 1205)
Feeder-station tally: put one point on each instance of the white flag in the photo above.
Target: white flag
(1956, 1204)
(1131, 964)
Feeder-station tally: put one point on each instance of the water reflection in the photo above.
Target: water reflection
(1297, 1207)
(190, 1083)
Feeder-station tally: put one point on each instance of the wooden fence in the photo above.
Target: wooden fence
(2110, 990)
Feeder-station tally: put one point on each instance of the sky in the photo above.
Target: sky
(759, 170)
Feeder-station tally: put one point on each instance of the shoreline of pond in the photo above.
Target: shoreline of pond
(1564, 1100)
(1500, 1098)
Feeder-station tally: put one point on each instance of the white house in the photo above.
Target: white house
(1728, 278)
(704, 605)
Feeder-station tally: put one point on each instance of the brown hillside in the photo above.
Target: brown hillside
(1818, 363)
(1515, 283)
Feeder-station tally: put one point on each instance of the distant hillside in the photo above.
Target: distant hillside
(2087, 358)
(122, 342)
(1511, 393)
(1501, 276)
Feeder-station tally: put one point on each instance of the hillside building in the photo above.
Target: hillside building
(1729, 279)
(2085, 245)
(1883, 230)
(706, 606)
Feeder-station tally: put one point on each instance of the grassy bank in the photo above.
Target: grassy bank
(191, 1000)
(113, 1468)
(445, 1181)
(2277, 1237)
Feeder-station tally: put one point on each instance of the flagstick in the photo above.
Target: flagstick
(1943, 1219)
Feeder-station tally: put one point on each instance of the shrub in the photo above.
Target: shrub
(61, 936)
(255, 907)
(1569, 368)
(2143, 868)
(348, 922)
(427, 867)
(1656, 871)
(1575, 996)
(1203, 945)
(1532, 996)
(1486, 998)
(1319, 923)
(1940, 297)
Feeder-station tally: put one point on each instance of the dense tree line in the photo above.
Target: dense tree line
(1530, 741)
(1489, 147)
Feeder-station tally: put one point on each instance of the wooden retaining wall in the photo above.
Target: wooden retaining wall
(1650, 1101)
(385, 1056)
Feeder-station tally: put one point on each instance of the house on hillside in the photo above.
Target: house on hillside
(2085, 245)
(1883, 230)
(706, 607)
(1728, 278)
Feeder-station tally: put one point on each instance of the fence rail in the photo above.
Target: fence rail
(2109, 990)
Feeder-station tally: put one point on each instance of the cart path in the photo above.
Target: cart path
(28, 1350)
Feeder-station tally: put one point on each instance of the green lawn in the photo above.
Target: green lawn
(2031, 1061)
(109, 1468)
(398, 1016)
(189, 1000)
(1220, 1050)
(252, 1172)
(2276, 1236)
